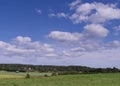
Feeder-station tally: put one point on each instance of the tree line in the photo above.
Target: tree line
(56, 69)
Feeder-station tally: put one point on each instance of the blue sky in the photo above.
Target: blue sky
(60, 32)
(21, 18)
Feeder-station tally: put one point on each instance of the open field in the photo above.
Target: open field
(111, 79)
(20, 75)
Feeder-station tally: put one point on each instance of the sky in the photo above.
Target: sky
(60, 32)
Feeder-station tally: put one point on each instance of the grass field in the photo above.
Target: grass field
(21, 75)
(111, 79)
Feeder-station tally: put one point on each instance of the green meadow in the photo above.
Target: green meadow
(18, 79)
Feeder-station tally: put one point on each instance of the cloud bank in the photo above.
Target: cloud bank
(24, 50)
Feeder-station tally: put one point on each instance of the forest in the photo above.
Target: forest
(62, 70)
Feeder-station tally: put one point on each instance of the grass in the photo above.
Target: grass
(23, 73)
(11, 77)
(111, 79)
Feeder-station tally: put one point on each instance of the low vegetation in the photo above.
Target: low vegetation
(106, 79)
(31, 75)
(61, 70)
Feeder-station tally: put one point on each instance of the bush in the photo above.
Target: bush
(46, 75)
(54, 74)
(27, 75)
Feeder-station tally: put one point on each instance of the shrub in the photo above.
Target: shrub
(54, 74)
(46, 75)
(27, 75)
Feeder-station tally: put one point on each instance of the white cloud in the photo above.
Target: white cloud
(81, 49)
(38, 11)
(48, 48)
(64, 36)
(24, 50)
(107, 58)
(71, 54)
(113, 44)
(91, 45)
(95, 13)
(116, 30)
(96, 30)
(102, 55)
(89, 39)
(59, 15)
(62, 15)
(91, 31)
(22, 40)
(24, 47)
(78, 18)
(74, 4)
(52, 15)
(104, 58)
(51, 55)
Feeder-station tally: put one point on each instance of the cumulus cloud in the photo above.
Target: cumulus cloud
(24, 47)
(92, 54)
(21, 40)
(83, 48)
(24, 50)
(113, 44)
(74, 4)
(96, 30)
(64, 36)
(103, 58)
(71, 54)
(95, 13)
(87, 41)
(91, 31)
